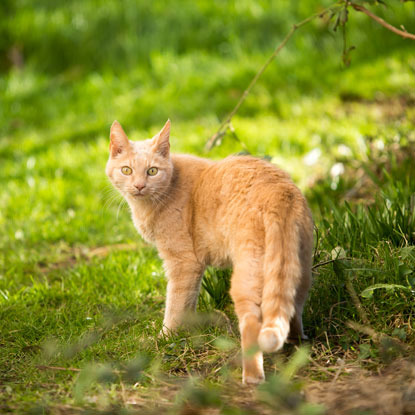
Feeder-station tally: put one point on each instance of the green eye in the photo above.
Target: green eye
(152, 171)
(126, 170)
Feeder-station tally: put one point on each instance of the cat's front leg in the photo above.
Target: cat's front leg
(183, 287)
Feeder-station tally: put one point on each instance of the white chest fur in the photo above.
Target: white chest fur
(143, 227)
(143, 219)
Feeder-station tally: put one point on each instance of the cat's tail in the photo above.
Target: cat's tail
(282, 275)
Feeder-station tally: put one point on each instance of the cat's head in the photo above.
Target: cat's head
(140, 170)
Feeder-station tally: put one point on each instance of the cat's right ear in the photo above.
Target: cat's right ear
(118, 139)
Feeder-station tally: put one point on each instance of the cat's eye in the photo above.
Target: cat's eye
(152, 171)
(126, 170)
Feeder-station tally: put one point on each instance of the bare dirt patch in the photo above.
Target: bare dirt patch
(390, 392)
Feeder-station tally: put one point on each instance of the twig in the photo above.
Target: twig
(376, 337)
(227, 321)
(356, 302)
(320, 264)
(70, 369)
(317, 241)
(378, 19)
(318, 366)
(339, 370)
(235, 136)
(364, 329)
(225, 124)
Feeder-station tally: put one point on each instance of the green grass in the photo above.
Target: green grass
(65, 303)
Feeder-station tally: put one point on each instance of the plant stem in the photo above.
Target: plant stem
(378, 19)
(225, 124)
(215, 139)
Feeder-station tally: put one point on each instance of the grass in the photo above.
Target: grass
(82, 297)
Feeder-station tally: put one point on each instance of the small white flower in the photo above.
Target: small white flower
(312, 157)
(19, 235)
(379, 144)
(344, 150)
(337, 170)
(31, 181)
(338, 252)
(31, 161)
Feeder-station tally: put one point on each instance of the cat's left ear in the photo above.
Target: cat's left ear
(161, 143)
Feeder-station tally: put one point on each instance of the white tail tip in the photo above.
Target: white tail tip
(270, 340)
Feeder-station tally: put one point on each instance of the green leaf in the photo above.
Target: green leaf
(400, 333)
(297, 361)
(365, 351)
(368, 292)
(404, 270)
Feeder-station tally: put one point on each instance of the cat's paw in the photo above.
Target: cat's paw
(250, 380)
(166, 332)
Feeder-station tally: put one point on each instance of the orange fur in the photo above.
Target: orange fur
(241, 212)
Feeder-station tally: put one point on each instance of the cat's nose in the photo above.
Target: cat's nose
(139, 186)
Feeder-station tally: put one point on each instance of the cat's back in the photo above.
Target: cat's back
(231, 199)
(244, 169)
(242, 178)
(190, 167)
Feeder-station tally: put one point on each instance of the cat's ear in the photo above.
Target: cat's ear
(161, 143)
(118, 139)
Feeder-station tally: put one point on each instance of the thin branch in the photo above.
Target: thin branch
(227, 320)
(225, 124)
(67, 369)
(388, 26)
(320, 264)
(356, 301)
(70, 369)
(376, 336)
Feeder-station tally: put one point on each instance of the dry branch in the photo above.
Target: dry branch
(70, 369)
(379, 20)
(225, 124)
(215, 139)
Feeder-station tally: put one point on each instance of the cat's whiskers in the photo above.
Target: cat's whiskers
(110, 196)
(109, 202)
(120, 206)
(159, 200)
(162, 197)
(106, 191)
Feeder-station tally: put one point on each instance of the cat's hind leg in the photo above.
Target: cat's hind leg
(296, 329)
(246, 288)
(296, 324)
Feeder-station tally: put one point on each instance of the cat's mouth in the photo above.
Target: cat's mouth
(139, 195)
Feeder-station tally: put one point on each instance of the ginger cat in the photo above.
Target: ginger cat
(241, 212)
